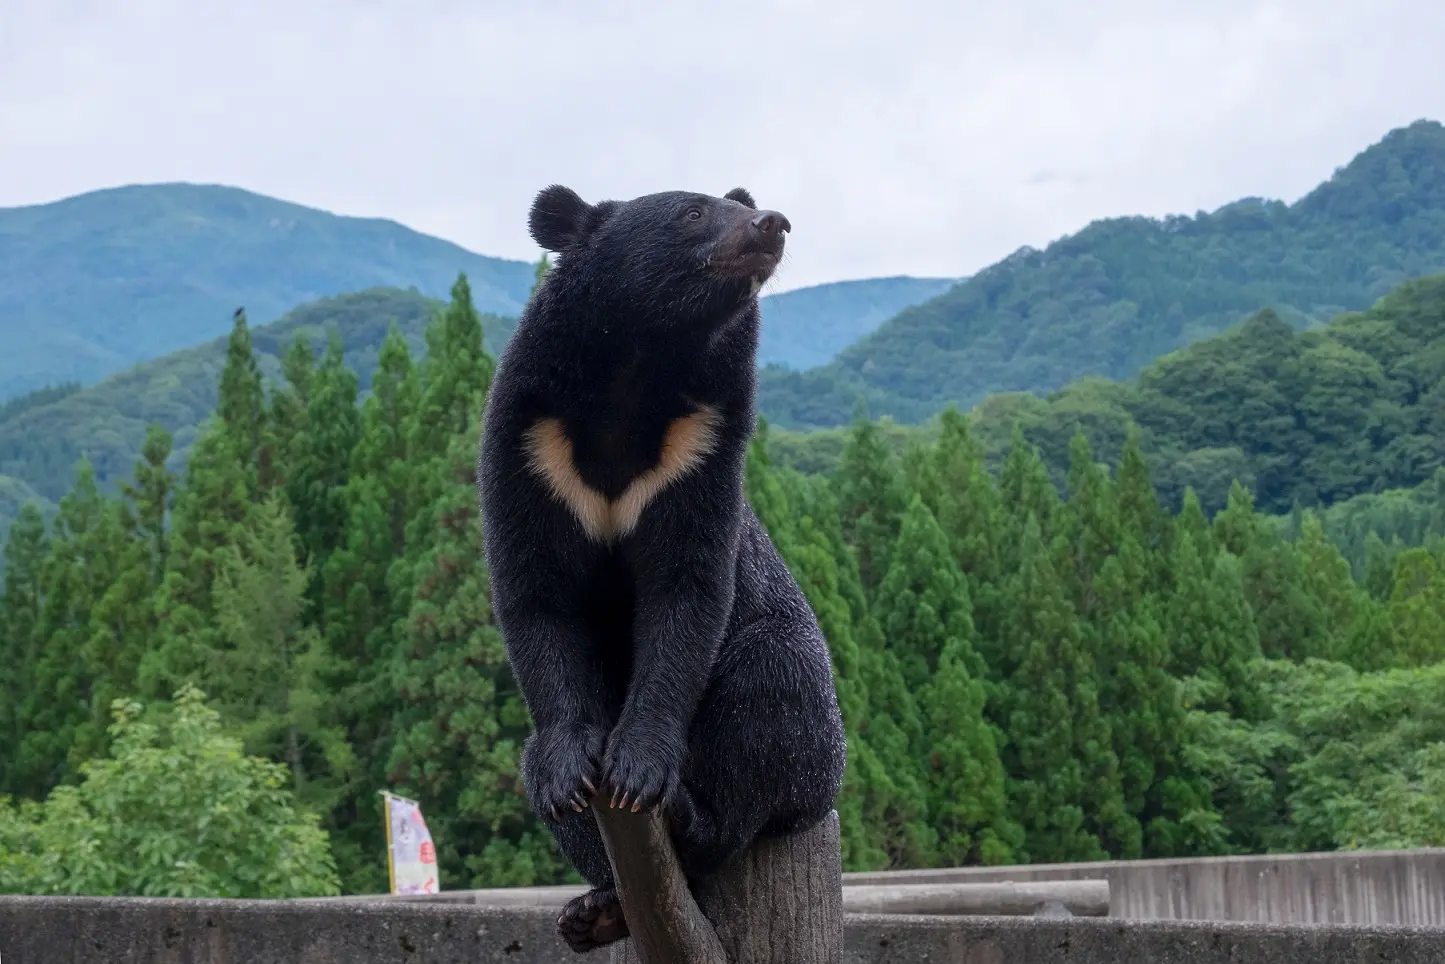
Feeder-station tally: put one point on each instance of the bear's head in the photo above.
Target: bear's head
(673, 249)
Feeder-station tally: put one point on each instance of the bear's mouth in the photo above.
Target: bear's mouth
(746, 266)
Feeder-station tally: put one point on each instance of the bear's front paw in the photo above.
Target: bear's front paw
(640, 772)
(561, 768)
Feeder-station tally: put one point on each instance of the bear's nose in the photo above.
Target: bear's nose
(770, 224)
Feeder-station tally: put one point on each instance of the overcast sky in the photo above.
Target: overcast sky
(900, 137)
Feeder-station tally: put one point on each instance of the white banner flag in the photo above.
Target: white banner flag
(411, 856)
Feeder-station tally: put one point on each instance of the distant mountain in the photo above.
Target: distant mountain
(1122, 292)
(808, 326)
(93, 284)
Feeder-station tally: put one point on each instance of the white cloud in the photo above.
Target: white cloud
(905, 137)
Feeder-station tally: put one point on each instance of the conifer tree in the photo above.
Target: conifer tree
(379, 498)
(1024, 487)
(1140, 512)
(460, 720)
(241, 404)
(923, 609)
(318, 457)
(1326, 577)
(1191, 527)
(1063, 775)
(1144, 707)
(454, 379)
(286, 417)
(152, 493)
(923, 600)
(870, 498)
(223, 481)
(123, 623)
(1088, 527)
(272, 671)
(86, 545)
(1288, 620)
(955, 485)
(1379, 571)
(1417, 608)
(1209, 620)
(26, 550)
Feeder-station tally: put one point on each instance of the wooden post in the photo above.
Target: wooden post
(780, 902)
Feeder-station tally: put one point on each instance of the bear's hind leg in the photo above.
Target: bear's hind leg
(766, 750)
(593, 919)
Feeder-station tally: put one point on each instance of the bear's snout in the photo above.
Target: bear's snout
(770, 225)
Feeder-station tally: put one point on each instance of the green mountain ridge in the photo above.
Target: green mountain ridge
(1346, 410)
(95, 283)
(106, 423)
(1346, 417)
(1111, 298)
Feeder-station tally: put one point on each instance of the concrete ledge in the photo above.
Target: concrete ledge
(1358, 887)
(1082, 898)
(1014, 940)
(77, 930)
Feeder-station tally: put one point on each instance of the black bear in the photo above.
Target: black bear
(666, 654)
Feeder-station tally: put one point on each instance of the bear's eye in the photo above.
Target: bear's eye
(693, 213)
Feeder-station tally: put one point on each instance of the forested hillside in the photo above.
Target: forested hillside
(42, 436)
(1024, 676)
(1121, 292)
(1307, 418)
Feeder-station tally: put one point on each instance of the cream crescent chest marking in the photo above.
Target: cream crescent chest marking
(687, 441)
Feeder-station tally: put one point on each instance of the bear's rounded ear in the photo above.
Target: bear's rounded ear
(558, 218)
(741, 195)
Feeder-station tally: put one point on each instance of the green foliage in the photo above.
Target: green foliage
(1350, 759)
(37, 398)
(1121, 292)
(176, 810)
(1033, 662)
(924, 611)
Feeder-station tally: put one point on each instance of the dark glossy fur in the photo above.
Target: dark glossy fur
(679, 666)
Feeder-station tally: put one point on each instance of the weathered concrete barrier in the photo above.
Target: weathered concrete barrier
(1404, 887)
(44, 930)
(1082, 898)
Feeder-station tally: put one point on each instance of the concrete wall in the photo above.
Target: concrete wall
(1363, 887)
(36, 930)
